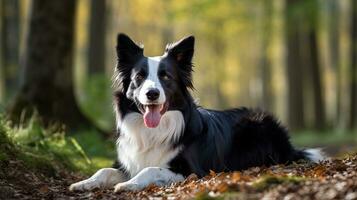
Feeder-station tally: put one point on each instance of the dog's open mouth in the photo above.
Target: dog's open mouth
(152, 114)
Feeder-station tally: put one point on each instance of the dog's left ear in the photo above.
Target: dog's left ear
(128, 51)
(182, 52)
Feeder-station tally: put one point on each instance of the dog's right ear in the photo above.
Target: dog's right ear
(128, 51)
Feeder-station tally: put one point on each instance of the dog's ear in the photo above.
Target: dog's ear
(182, 52)
(128, 51)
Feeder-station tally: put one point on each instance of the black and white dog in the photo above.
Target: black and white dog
(164, 136)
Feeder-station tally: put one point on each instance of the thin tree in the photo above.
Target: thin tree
(96, 54)
(294, 66)
(47, 75)
(353, 73)
(316, 83)
(334, 51)
(265, 64)
(314, 68)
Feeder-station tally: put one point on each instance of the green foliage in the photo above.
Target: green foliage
(45, 149)
(96, 100)
(50, 145)
(11, 150)
(101, 152)
(6, 145)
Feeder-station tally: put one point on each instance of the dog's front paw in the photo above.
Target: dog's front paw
(127, 186)
(83, 186)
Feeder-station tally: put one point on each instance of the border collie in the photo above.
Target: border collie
(164, 136)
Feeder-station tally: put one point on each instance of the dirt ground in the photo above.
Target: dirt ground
(335, 179)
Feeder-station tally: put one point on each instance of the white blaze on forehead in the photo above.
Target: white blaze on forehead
(152, 81)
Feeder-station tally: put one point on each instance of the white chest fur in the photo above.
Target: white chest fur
(140, 147)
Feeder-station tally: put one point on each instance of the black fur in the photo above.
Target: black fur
(234, 140)
(227, 140)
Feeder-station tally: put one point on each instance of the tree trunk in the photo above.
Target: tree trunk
(316, 83)
(220, 100)
(96, 54)
(47, 75)
(294, 67)
(10, 37)
(2, 77)
(313, 63)
(334, 40)
(265, 65)
(353, 73)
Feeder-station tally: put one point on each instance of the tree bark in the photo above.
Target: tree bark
(353, 73)
(316, 83)
(2, 82)
(10, 37)
(265, 65)
(96, 54)
(294, 67)
(313, 67)
(334, 52)
(46, 84)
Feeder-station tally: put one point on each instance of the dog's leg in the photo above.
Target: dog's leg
(150, 175)
(103, 178)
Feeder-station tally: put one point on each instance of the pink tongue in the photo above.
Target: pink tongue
(152, 116)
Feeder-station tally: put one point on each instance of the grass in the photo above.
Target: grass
(101, 152)
(42, 149)
(6, 146)
(11, 150)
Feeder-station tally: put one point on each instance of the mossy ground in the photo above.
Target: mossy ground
(268, 181)
(38, 163)
(42, 149)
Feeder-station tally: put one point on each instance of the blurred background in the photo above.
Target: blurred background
(294, 58)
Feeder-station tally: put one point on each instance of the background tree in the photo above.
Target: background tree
(10, 37)
(2, 82)
(47, 75)
(334, 52)
(265, 65)
(294, 65)
(353, 73)
(313, 68)
(96, 50)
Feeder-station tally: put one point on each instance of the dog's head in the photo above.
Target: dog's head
(155, 84)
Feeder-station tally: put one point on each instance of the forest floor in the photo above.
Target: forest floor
(329, 180)
(44, 167)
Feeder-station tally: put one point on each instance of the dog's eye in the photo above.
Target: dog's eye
(139, 77)
(164, 76)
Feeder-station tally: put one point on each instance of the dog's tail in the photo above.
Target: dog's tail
(315, 155)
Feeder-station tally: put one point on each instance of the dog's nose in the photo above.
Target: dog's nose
(152, 94)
